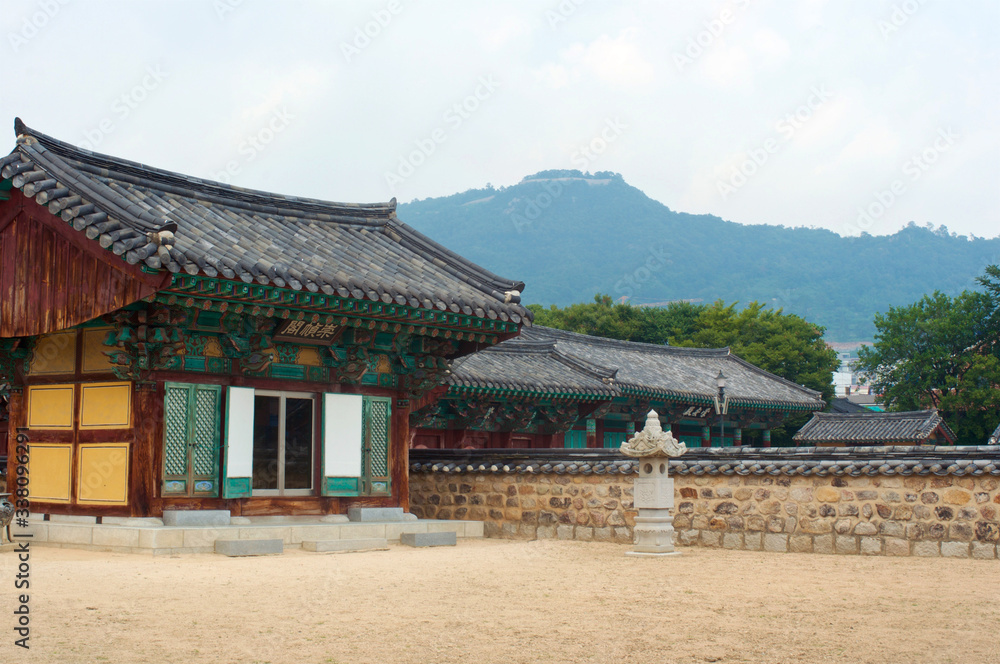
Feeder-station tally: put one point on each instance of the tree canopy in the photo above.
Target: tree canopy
(942, 352)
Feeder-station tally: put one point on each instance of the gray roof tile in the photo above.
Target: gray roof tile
(346, 247)
(674, 372)
(873, 428)
(532, 366)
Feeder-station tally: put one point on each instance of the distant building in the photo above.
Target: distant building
(845, 405)
(994, 437)
(846, 379)
(918, 427)
(552, 388)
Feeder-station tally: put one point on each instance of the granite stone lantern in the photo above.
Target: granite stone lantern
(654, 490)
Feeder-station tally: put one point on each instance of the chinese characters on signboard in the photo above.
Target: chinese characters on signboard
(306, 332)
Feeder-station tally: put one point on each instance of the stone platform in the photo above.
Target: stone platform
(133, 535)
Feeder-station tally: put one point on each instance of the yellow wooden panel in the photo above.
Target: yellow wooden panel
(50, 406)
(54, 354)
(50, 469)
(94, 359)
(212, 348)
(309, 356)
(106, 406)
(102, 475)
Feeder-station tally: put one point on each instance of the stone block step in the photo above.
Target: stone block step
(376, 514)
(249, 547)
(358, 544)
(196, 517)
(429, 539)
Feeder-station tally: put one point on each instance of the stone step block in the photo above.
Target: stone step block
(249, 547)
(196, 518)
(429, 539)
(376, 514)
(359, 544)
(134, 521)
(72, 518)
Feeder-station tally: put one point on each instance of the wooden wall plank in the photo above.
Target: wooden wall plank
(52, 277)
(148, 419)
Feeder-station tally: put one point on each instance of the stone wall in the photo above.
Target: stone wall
(923, 513)
(530, 506)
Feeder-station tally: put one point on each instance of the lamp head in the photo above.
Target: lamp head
(720, 380)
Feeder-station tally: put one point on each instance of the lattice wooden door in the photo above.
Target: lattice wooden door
(191, 440)
(375, 450)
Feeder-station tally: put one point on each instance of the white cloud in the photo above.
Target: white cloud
(614, 61)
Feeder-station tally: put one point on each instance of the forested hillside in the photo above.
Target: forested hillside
(570, 236)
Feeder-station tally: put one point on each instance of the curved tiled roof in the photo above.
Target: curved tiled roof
(908, 427)
(679, 373)
(807, 461)
(843, 405)
(353, 250)
(524, 366)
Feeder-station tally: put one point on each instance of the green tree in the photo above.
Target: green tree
(604, 318)
(942, 352)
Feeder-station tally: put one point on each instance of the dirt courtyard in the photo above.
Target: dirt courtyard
(504, 601)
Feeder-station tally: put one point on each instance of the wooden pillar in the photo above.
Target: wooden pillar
(143, 481)
(557, 440)
(400, 458)
(591, 432)
(599, 433)
(737, 437)
(501, 439)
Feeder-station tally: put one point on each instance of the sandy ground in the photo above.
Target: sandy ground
(504, 601)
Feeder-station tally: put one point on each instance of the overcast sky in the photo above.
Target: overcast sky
(848, 115)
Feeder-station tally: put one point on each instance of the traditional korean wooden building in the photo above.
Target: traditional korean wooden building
(551, 388)
(170, 342)
(915, 427)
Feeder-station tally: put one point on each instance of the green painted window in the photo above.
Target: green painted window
(691, 441)
(575, 439)
(614, 439)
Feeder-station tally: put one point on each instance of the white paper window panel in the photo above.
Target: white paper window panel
(342, 435)
(239, 432)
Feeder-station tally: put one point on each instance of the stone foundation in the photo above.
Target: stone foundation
(952, 515)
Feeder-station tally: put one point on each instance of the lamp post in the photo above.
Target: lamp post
(721, 406)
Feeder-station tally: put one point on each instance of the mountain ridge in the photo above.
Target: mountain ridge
(569, 235)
